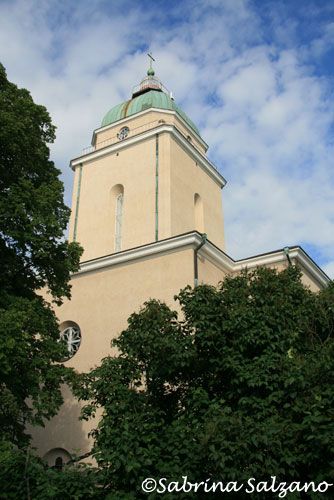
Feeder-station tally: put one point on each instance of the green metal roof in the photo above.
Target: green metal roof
(150, 99)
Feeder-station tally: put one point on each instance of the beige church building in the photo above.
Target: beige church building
(147, 209)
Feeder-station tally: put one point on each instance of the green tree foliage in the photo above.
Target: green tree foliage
(241, 387)
(25, 476)
(33, 255)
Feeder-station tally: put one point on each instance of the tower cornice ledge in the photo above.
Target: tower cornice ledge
(147, 111)
(211, 252)
(201, 160)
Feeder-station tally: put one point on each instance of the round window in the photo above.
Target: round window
(72, 338)
(123, 133)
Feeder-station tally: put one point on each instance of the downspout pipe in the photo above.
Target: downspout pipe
(76, 216)
(204, 238)
(286, 253)
(157, 187)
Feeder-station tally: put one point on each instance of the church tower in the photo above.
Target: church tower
(144, 195)
(145, 178)
(147, 208)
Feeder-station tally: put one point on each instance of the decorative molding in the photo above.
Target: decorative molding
(217, 257)
(141, 113)
(181, 242)
(202, 161)
(211, 252)
(268, 259)
(310, 266)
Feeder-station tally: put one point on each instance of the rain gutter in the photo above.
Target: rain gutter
(204, 240)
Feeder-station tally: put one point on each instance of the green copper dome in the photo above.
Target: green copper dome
(146, 100)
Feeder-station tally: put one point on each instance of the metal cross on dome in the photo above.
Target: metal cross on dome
(151, 58)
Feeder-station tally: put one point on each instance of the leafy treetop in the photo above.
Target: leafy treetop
(33, 255)
(33, 216)
(241, 387)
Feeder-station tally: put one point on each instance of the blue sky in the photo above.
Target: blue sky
(255, 76)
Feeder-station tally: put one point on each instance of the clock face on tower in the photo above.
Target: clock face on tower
(123, 133)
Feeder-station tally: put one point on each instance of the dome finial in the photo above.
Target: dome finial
(150, 71)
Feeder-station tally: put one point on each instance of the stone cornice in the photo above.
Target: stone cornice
(181, 242)
(141, 113)
(296, 254)
(201, 160)
(192, 240)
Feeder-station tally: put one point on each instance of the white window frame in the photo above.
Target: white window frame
(118, 222)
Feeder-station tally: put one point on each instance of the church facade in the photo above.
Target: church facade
(147, 209)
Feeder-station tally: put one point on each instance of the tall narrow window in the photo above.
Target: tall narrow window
(198, 213)
(117, 217)
(118, 222)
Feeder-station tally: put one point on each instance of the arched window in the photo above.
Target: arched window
(117, 199)
(57, 458)
(198, 213)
